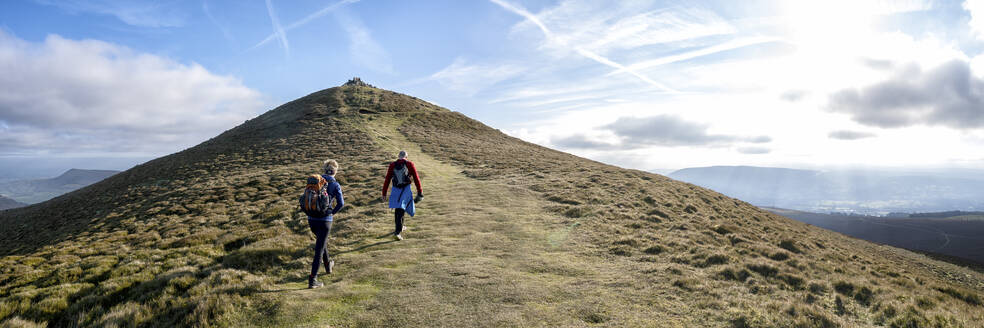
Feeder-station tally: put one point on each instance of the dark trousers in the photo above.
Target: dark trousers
(399, 220)
(321, 229)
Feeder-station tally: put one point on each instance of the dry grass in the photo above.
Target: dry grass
(510, 234)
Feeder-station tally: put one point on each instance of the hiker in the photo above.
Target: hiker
(401, 198)
(320, 193)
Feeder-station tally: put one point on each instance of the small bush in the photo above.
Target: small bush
(911, 318)
(792, 280)
(844, 287)
(722, 229)
(887, 312)
(817, 288)
(653, 250)
(732, 274)
(575, 212)
(925, 303)
(687, 284)
(812, 319)
(789, 245)
(839, 306)
(627, 242)
(779, 256)
(715, 259)
(763, 269)
(864, 296)
(968, 297)
(621, 250)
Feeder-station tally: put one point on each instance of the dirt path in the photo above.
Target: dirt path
(478, 253)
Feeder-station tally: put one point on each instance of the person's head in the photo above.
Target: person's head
(330, 167)
(402, 154)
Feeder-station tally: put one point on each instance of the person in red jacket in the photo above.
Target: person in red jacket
(402, 172)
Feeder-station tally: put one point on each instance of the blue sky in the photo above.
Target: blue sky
(640, 84)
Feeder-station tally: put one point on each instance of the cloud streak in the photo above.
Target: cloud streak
(307, 19)
(730, 45)
(468, 78)
(142, 13)
(580, 50)
(225, 31)
(277, 29)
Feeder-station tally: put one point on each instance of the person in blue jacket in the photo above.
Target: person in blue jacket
(321, 227)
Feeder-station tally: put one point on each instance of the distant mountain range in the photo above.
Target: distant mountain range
(39, 190)
(961, 235)
(851, 191)
(6, 203)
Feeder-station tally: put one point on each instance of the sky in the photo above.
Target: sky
(639, 84)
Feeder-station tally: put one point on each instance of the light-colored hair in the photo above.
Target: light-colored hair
(402, 154)
(330, 167)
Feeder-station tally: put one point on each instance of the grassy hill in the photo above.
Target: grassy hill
(509, 234)
(6, 203)
(39, 190)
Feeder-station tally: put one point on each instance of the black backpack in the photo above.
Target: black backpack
(315, 201)
(401, 174)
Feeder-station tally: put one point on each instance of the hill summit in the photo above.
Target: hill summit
(509, 234)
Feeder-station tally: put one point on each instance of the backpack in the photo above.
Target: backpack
(401, 174)
(316, 202)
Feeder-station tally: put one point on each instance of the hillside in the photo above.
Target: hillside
(7, 203)
(958, 236)
(39, 190)
(859, 191)
(509, 234)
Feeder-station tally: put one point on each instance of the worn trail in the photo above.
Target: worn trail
(478, 253)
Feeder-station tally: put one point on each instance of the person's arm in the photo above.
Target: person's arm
(341, 200)
(389, 175)
(413, 173)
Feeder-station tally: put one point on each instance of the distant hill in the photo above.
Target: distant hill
(39, 190)
(946, 214)
(7, 203)
(959, 236)
(872, 191)
(509, 234)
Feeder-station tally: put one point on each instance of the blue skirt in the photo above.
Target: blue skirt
(402, 198)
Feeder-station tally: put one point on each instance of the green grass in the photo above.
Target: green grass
(510, 234)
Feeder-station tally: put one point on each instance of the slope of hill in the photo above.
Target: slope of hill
(39, 190)
(861, 191)
(509, 234)
(959, 236)
(7, 203)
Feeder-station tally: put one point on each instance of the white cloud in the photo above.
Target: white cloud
(363, 49)
(468, 78)
(90, 95)
(976, 9)
(143, 13)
